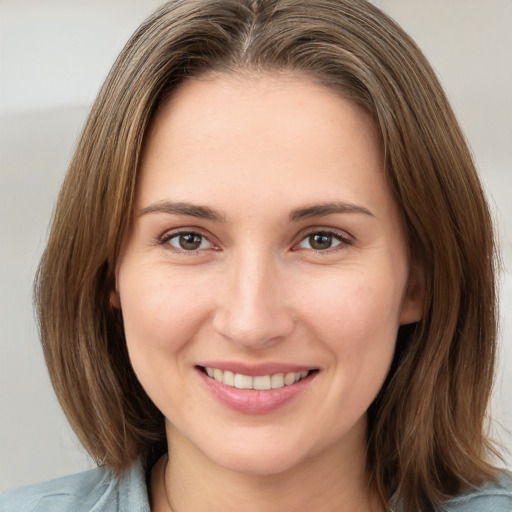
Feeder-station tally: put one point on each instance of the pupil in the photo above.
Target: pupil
(190, 241)
(320, 241)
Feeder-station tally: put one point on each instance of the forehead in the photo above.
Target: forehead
(257, 135)
(260, 102)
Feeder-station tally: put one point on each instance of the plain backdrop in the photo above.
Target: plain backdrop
(54, 55)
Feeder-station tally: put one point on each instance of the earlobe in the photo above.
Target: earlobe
(114, 298)
(413, 302)
(115, 302)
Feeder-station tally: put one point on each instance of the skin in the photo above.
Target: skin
(255, 150)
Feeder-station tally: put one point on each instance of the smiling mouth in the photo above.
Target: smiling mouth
(259, 382)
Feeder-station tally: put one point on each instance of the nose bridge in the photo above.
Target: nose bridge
(252, 312)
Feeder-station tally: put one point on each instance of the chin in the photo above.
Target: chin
(269, 453)
(258, 462)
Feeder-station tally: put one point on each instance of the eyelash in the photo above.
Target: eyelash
(167, 237)
(341, 237)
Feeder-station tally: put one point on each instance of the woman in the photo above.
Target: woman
(255, 293)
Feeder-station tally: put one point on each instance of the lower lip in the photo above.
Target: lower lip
(253, 401)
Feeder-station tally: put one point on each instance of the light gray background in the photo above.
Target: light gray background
(54, 55)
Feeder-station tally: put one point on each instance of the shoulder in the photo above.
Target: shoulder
(97, 490)
(495, 496)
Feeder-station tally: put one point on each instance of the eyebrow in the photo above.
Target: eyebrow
(324, 209)
(184, 208)
(204, 212)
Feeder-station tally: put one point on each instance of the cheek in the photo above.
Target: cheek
(161, 315)
(356, 302)
(356, 319)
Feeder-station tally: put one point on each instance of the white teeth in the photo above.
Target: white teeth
(289, 379)
(260, 382)
(243, 381)
(229, 378)
(277, 380)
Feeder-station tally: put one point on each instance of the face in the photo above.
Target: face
(266, 274)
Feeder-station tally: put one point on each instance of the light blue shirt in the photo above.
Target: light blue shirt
(98, 490)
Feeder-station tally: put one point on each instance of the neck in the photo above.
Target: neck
(187, 481)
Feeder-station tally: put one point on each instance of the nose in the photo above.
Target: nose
(252, 310)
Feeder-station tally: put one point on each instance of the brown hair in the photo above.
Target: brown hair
(427, 436)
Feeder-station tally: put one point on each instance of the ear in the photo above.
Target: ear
(412, 304)
(115, 301)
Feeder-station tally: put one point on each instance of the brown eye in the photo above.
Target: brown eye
(322, 241)
(188, 241)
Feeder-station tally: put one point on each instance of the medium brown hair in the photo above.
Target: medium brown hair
(426, 437)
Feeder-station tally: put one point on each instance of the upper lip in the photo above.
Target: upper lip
(253, 370)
